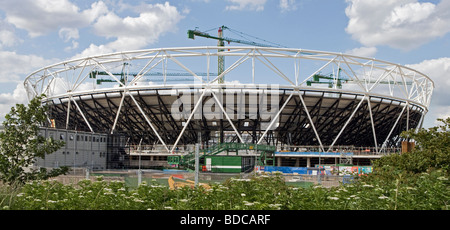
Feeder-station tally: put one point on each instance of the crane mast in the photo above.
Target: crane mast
(221, 59)
(221, 43)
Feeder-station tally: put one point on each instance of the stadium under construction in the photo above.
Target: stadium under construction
(265, 107)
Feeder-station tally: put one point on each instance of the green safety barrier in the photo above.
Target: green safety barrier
(173, 160)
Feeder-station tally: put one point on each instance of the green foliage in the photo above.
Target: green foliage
(432, 151)
(422, 174)
(429, 192)
(20, 144)
(413, 181)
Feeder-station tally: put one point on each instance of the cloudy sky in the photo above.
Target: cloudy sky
(36, 33)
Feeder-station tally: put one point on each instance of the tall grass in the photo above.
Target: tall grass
(430, 191)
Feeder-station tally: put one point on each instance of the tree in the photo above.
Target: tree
(432, 152)
(433, 147)
(21, 144)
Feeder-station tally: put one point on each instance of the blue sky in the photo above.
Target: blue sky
(36, 33)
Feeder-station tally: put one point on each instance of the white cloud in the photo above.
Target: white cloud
(8, 37)
(13, 66)
(40, 17)
(408, 14)
(405, 25)
(441, 112)
(287, 5)
(402, 24)
(439, 71)
(74, 45)
(8, 100)
(68, 33)
(257, 5)
(134, 32)
(17, 96)
(363, 51)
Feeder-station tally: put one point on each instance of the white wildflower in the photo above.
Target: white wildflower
(333, 198)
(109, 193)
(248, 203)
(277, 206)
(234, 179)
(156, 186)
(382, 197)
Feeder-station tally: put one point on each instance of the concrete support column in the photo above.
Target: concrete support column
(308, 162)
(297, 162)
(279, 161)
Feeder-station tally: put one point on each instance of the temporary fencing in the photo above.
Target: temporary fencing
(133, 178)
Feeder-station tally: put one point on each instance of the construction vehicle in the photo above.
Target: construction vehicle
(179, 184)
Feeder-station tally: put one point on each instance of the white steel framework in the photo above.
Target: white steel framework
(321, 98)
